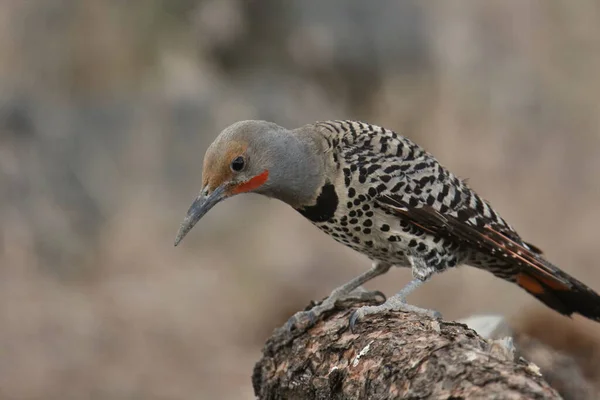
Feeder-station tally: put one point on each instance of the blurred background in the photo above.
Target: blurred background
(107, 107)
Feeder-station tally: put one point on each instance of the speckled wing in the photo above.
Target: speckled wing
(486, 236)
(537, 276)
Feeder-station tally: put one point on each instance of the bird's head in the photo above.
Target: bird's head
(253, 157)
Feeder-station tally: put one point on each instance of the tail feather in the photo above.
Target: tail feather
(561, 292)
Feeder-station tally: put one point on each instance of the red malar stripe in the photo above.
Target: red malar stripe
(252, 183)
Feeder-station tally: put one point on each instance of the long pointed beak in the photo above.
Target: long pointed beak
(203, 203)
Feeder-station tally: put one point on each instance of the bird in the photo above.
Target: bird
(385, 197)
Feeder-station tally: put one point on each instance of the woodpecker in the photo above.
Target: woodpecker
(382, 195)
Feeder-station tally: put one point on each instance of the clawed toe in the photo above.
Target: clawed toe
(301, 321)
(354, 317)
(374, 295)
(364, 295)
(361, 312)
(392, 304)
(380, 294)
(418, 310)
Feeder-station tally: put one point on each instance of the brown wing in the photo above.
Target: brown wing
(552, 286)
(487, 237)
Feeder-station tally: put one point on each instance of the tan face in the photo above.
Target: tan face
(217, 164)
(228, 167)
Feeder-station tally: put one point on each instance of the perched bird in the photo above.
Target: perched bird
(385, 197)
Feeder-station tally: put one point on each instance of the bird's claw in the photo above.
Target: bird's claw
(300, 321)
(353, 319)
(392, 304)
(375, 295)
(304, 320)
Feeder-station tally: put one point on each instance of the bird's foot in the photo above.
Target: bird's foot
(394, 303)
(303, 320)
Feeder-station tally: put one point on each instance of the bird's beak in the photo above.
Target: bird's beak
(203, 203)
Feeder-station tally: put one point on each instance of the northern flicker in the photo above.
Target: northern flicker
(385, 197)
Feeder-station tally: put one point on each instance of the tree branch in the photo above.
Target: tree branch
(395, 355)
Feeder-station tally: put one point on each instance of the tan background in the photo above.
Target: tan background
(107, 107)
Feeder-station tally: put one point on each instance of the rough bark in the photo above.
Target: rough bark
(561, 370)
(390, 356)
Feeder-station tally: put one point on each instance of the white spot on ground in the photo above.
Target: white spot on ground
(362, 353)
(534, 369)
(471, 356)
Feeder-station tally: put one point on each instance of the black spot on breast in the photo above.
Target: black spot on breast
(372, 168)
(420, 166)
(391, 169)
(325, 207)
(398, 186)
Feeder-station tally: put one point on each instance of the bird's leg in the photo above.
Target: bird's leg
(398, 301)
(350, 290)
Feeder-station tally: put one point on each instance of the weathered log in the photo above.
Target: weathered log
(390, 356)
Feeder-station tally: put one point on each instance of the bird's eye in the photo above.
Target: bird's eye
(238, 164)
